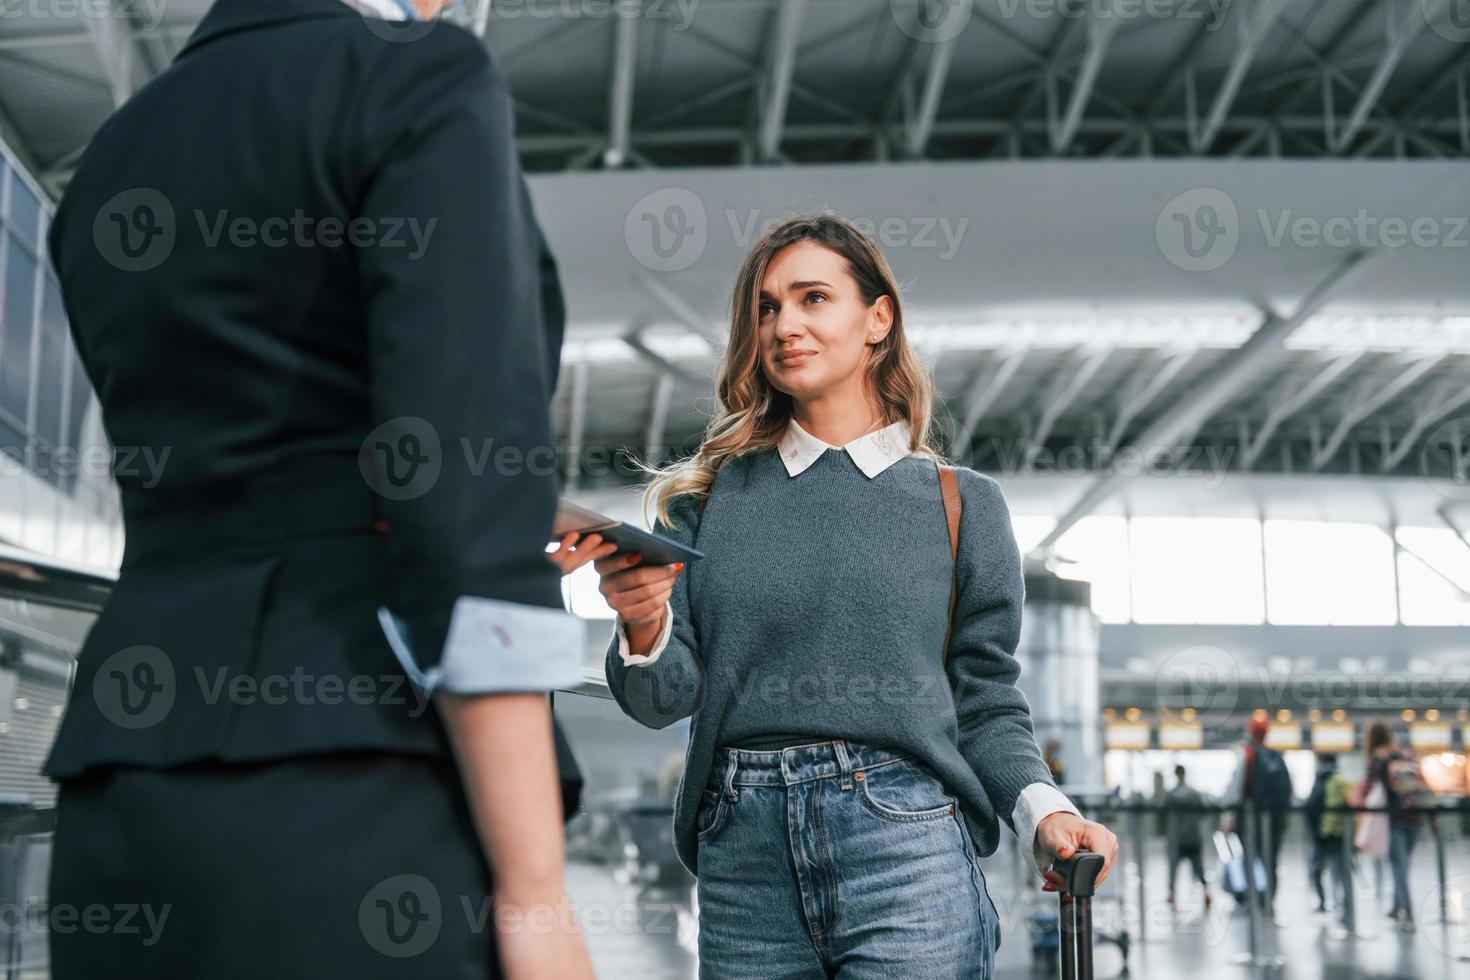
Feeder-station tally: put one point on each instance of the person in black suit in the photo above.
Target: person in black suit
(308, 735)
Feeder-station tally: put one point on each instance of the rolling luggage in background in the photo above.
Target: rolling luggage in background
(1232, 867)
(1079, 881)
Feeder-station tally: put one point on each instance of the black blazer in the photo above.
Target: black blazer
(304, 276)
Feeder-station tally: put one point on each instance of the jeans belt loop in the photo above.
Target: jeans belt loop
(730, 768)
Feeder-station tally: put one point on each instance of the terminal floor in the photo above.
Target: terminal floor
(658, 938)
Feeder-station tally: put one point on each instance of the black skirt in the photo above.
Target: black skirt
(360, 865)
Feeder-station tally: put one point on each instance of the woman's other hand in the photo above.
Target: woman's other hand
(574, 551)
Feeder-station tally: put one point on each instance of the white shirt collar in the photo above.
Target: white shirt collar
(873, 453)
(386, 9)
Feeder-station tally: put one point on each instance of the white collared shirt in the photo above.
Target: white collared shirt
(873, 453)
(386, 9)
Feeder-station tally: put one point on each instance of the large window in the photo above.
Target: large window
(1337, 574)
(1196, 570)
(1097, 551)
(1203, 570)
(44, 393)
(17, 331)
(1434, 577)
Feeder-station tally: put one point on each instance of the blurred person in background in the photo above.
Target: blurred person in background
(1052, 756)
(854, 747)
(1325, 827)
(1184, 832)
(1397, 771)
(1261, 779)
(304, 530)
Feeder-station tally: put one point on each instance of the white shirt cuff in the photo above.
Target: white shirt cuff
(1037, 802)
(496, 647)
(663, 640)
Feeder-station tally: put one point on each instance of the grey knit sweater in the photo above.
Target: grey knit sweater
(820, 610)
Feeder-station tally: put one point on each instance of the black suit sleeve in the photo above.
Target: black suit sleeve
(464, 324)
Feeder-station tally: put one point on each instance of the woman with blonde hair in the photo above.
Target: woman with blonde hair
(849, 761)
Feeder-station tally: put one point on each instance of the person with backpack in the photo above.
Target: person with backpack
(1397, 771)
(1184, 810)
(1325, 827)
(1261, 779)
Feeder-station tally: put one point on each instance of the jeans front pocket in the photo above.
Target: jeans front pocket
(714, 810)
(904, 792)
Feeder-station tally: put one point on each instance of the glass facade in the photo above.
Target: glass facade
(58, 496)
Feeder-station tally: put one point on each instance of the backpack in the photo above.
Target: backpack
(1407, 782)
(1336, 793)
(1270, 782)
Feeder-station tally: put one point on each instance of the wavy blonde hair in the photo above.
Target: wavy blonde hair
(750, 415)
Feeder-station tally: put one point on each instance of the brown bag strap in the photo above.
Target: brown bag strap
(949, 488)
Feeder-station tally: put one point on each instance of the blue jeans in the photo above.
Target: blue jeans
(837, 859)
(1400, 850)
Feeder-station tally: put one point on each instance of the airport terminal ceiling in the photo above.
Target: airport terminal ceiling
(972, 139)
(731, 82)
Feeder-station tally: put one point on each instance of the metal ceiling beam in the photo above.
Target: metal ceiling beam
(634, 339)
(1439, 407)
(984, 390)
(1293, 403)
(1254, 128)
(679, 308)
(1450, 69)
(479, 16)
(1062, 393)
(1100, 31)
(577, 427)
(1362, 404)
(1146, 386)
(697, 104)
(620, 91)
(1402, 31)
(1252, 31)
(18, 145)
(756, 69)
(117, 49)
(921, 125)
(658, 418)
(776, 82)
(1324, 59)
(1052, 67)
(1239, 370)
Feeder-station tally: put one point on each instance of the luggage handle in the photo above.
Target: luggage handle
(1079, 882)
(1079, 873)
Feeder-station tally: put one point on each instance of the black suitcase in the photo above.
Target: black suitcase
(1079, 880)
